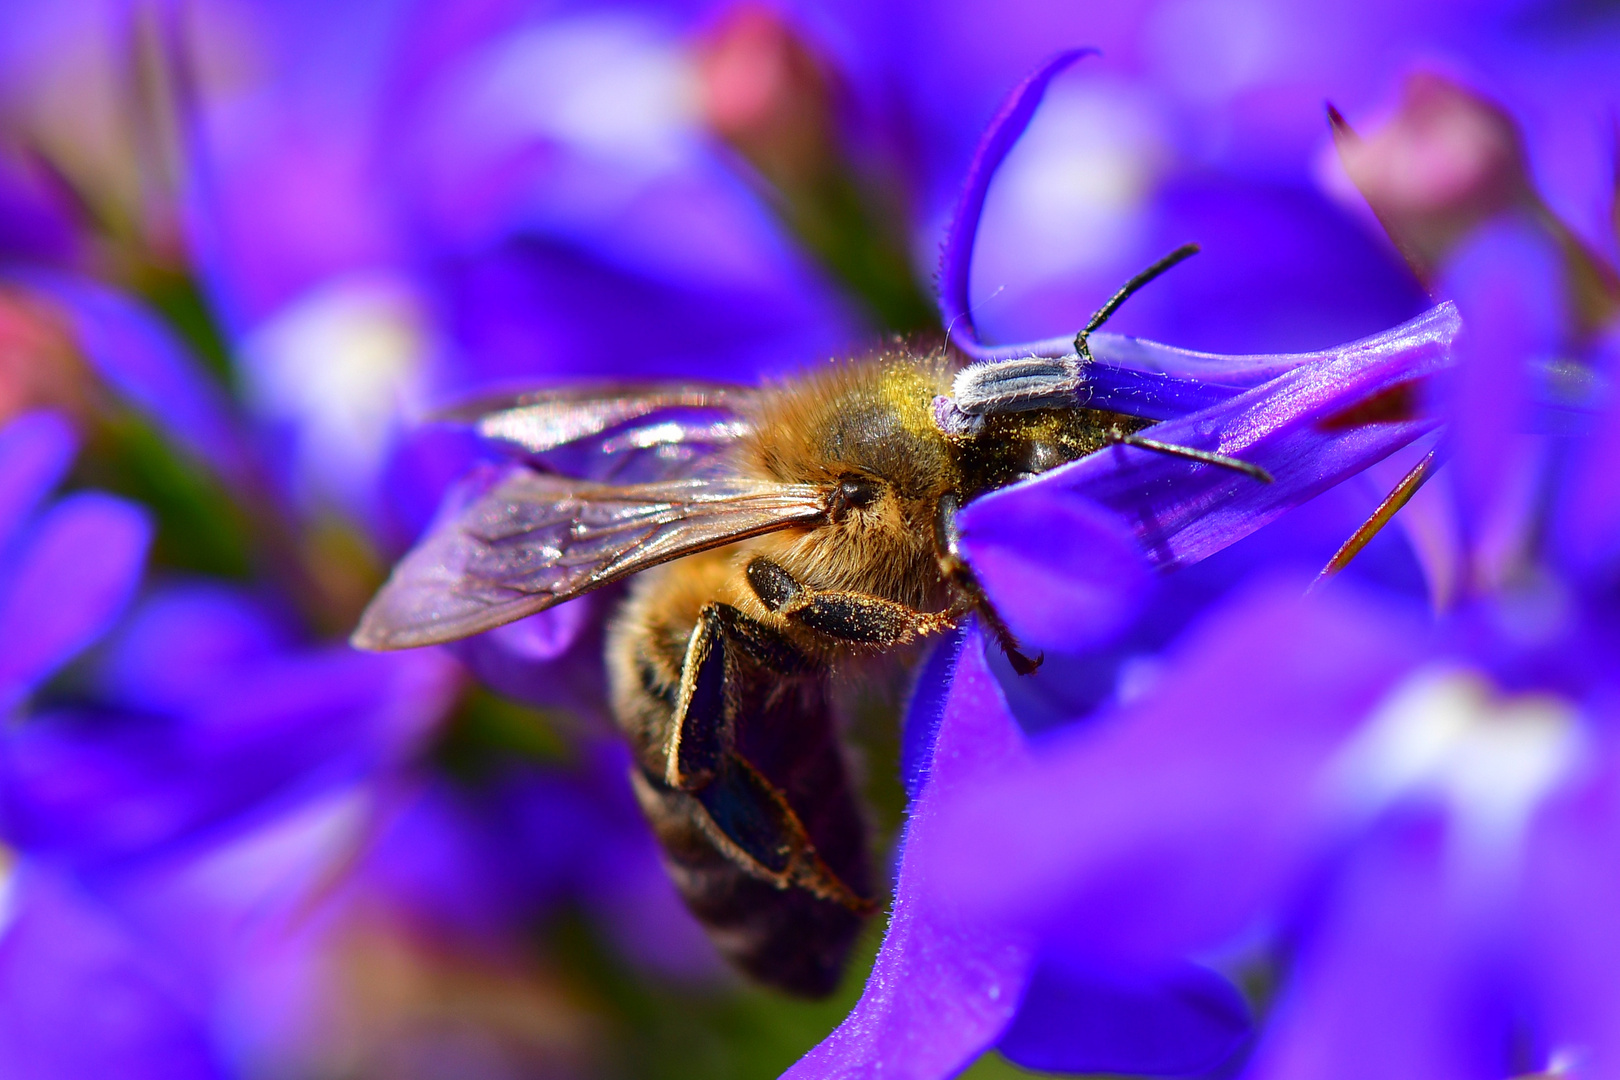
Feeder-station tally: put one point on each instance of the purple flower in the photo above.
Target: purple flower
(946, 986)
(466, 206)
(281, 234)
(1308, 420)
(69, 567)
(213, 827)
(1065, 557)
(234, 827)
(1195, 122)
(1394, 819)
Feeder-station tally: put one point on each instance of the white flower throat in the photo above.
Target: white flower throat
(1445, 735)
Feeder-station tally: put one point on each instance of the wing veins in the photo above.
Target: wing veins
(532, 540)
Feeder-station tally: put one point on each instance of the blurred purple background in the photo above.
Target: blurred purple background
(247, 249)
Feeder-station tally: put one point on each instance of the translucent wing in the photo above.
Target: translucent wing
(517, 541)
(665, 446)
(546, 419)
(624, 433)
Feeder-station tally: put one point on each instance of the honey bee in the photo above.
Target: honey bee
(795, 533)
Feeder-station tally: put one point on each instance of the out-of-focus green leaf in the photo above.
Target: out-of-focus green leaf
(488, 729)
(200, 529)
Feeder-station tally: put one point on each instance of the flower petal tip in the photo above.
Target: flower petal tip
(956, 257)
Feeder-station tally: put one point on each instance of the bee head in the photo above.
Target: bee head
(864, 434)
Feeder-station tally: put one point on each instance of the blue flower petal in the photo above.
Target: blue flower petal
(1065, 573)
(212, 909)
(1586, 529)
(942, 990)
(420, 470)
(85, 998)
(1319, 278)
(72, 579)
(35, 452)
(1505, 281)
(142, 360)
(1168, 827)
(1128, 374)
(1080, 1019)
(1310, 428)
(1571, 879)
(89, 790)
(552, 659)
(36, 224)
(536, 309)
(182, 644)
(1385, 985)
(471, 859)
(926, 709)
(956, 258)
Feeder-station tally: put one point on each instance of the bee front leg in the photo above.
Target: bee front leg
(954, 569)
(858, 618)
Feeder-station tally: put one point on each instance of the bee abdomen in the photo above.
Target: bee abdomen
(783, 937)
(777, 932)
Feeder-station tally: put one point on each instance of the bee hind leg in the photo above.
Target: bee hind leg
(701, 737)
(756, 828)
(748, 818)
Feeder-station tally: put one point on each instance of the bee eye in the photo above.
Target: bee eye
(853, 493)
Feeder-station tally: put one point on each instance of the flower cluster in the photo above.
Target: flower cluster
(1360, 829)
(248, 249)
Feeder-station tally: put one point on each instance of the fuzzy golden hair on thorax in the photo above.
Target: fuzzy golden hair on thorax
(872, 416)
(868, 420)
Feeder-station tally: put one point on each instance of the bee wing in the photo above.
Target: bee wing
(521, 541)
(547, 419)
(664, 446)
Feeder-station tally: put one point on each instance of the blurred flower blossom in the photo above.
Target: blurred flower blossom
(1450, 160)
(514, 184)
(69, 568)
(38, 365)
(209, 802)
(1375, 814)
(346, 366)
(250, 825)
(247, 245)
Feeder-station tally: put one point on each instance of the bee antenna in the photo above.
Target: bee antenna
(966, 314)
(960, 315)
(1129, 289)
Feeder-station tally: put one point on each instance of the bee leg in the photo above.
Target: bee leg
(854, 617)
(701, 736)
(959, 574)
(748, 818)
(955, 570)
(865, 620)
(755, 828)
